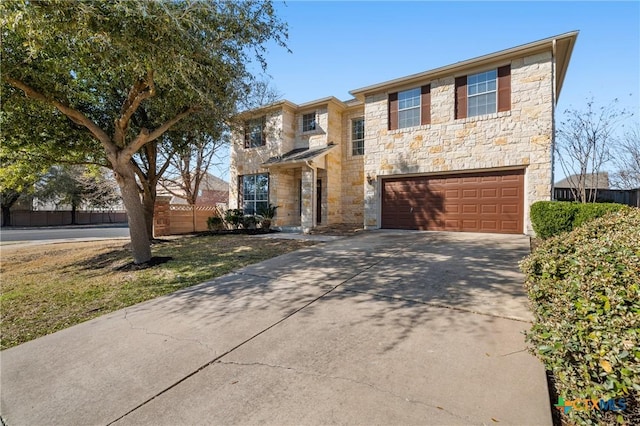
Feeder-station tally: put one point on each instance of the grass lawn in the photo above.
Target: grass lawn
(50, 287)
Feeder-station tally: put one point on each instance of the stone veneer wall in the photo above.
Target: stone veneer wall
(280, 138)
(352, 171)
(315, 138)
(332, 187)
(521, 137)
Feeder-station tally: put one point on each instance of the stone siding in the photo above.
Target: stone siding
(280, 138)
(519, 138)
(352, 171)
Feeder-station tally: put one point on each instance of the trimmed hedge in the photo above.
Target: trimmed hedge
(550, 218)
(584, 289)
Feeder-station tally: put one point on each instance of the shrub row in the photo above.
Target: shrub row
(584, 289)
(550, 218)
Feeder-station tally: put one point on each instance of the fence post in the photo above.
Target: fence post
(161, 217)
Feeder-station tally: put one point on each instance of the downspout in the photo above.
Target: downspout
(314, 195)
(553, 117)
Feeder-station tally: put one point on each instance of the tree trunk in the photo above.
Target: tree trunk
(8, 198)
(74, 210)
(6, 216)
(148, 202)
(140, 244)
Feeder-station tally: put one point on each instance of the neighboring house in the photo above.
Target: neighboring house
(465, 147)
(212, 191)
(591, 181)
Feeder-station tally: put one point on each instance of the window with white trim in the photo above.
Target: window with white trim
(357, 136)
(482, 93)
(255, 193)
(409, 108)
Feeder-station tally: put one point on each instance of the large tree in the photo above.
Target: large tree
(77, 186)
(176, 58)
(584, 141)
(28, 148)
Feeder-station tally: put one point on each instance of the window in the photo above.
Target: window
(254, 133)
(309, 122)
(410, 108)
(481, 93)
(255, 193)
(357, 136)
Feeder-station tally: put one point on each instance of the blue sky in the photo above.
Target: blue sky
(339, 46)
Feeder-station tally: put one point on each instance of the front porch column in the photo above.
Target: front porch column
(307, 215)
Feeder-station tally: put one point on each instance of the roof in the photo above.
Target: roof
(298, 155)
(592, 181)
(561, 46)
(209, 184)
(297, 107)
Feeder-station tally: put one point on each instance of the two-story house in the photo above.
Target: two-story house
(464, 147)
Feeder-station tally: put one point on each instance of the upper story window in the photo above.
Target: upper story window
(357, 136)
(410, 108)
(483, 93)
(254, 133)
(309, 122)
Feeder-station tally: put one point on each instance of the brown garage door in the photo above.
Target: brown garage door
(472, 202)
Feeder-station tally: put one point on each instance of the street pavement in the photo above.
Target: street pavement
(381, 328)
(12, 237)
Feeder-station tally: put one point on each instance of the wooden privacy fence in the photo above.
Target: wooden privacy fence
(171, 219)
(630, 197)
(63, 217)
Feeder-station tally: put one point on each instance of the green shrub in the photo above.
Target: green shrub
(234, 217)
(584, 289)
(550, 218)
(590, 211)
(214, 223)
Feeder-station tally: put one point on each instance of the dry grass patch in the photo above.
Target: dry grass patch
(50, 287)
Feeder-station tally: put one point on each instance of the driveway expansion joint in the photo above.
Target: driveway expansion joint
(346, 379)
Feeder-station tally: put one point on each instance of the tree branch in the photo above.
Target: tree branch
(140, 91)
(73, 114)
(145, 137)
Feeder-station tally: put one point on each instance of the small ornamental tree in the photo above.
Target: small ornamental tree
(98, 63)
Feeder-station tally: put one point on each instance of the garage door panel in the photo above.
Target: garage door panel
(451, 208)
(469, 193)
(509, 209)
(510, 192)
(470, 208)
(510, 226)
(489, 193)
(480, 202)
(488, 209)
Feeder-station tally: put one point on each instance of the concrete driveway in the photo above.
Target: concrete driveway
(381, 328)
